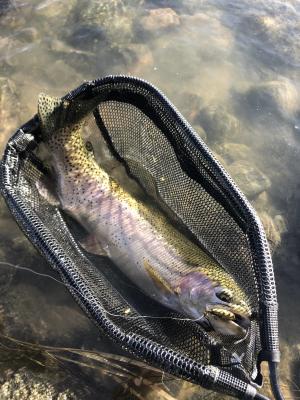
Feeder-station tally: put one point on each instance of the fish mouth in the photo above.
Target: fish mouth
(224, 321)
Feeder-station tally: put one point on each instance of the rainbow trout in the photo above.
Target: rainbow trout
(159, 259)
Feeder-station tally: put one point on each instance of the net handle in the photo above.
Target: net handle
(261, 397)
(274, 380)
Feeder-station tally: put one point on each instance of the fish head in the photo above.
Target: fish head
(227, 312)
(217, 304)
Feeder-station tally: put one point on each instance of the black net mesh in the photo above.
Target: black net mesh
(179, 176)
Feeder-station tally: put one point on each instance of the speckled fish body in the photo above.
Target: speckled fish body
(159, 259)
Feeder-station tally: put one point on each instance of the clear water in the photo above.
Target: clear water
(238, 60)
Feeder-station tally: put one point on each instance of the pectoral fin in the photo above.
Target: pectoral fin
(91, 244)
(46, 190)
(158, 280)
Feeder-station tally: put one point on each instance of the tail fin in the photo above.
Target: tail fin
(55, 113)
(51, 113)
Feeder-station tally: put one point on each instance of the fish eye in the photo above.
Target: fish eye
(225, 295)
(89, 146)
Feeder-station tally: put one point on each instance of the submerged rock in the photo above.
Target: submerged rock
(274, 224)
(8, 47)
(160, 18)
(274, 33)
(262, 202)
(13, 14)
(139, 58)
(190, 391)
(280, 223)
(189, 105)
(1, 317)
(53, 9)
(85, 38)
(9, 110)
(113, 17)
(29, 34)
(199, 27)
(26, 385)
(15, 248)
(221, 160)
(200, 131)
(219, 124)
(234, 152)
(61, 74)
(16, 51)
(279, 96)
(36, 318)
(249, 179)
(5, 6)
(6, 275)
(272, 231)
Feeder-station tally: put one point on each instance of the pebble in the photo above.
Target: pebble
(8, 106)
(235, 152)
(160, 18)
(219, 124)
(278, 96)
(249, 178)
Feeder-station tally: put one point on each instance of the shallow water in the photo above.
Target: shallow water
(236, 60)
